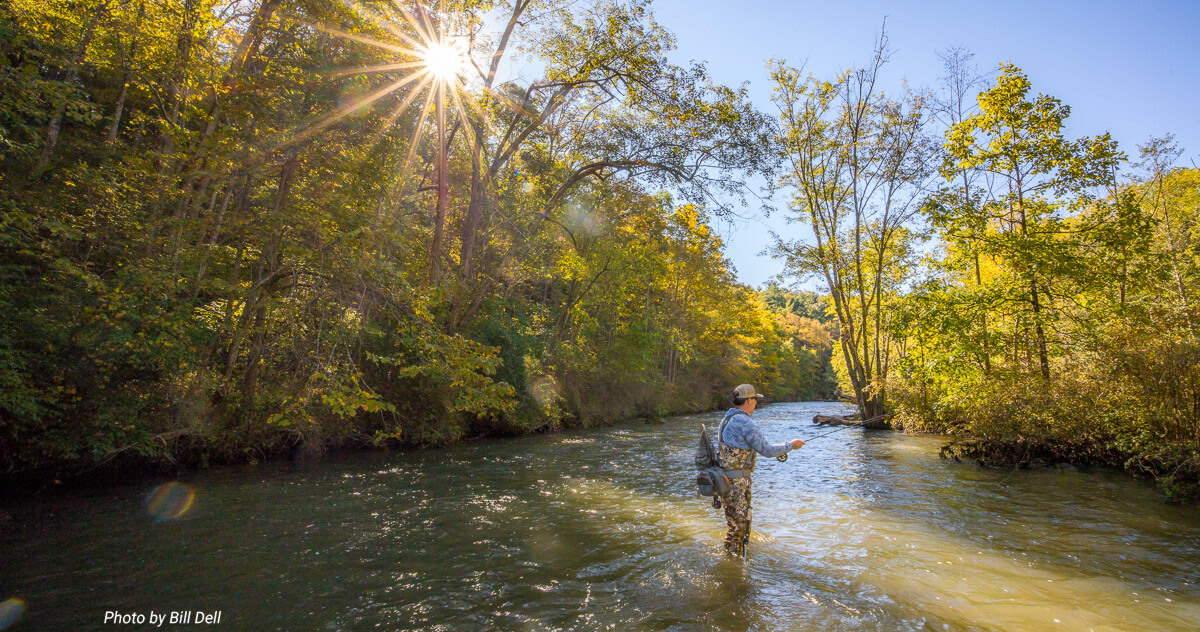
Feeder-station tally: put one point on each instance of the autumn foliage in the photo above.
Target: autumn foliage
(222, 235)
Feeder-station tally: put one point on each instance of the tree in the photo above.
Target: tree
(1034, 178)
(959, 83)
(859, 162)
(1171, 196)
(225, 249)
(609, 105)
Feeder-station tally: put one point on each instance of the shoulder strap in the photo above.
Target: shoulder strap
(721, 428)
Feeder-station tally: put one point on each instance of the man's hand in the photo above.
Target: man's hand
(797, 444)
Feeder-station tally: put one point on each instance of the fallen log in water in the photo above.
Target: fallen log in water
(831, 420)
(873, 423)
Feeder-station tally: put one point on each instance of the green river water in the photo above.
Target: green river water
(602, 530)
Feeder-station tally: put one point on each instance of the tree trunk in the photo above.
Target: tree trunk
(1043, 359)
(179, 85)
(471, 223)
(126, 77)
(265, 275)
(439, 215)
(480, 179)
(250, 378)
(983, 323)
(77, 57)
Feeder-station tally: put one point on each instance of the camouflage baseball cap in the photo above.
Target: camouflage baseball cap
(746, 391)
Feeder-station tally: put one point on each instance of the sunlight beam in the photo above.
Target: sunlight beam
(409, 99)
(422, 24)
(379, 20)
(438, 61)
(468, 129)
(399, 109)
(412, 147)
(362, 39)
(345, 111)
(342, 72)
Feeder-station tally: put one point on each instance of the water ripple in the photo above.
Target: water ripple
(601, 529)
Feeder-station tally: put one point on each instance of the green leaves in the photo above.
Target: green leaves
(334, 394)
(212, 264)
(1056, 321)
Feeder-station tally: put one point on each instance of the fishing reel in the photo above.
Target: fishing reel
(782, 458)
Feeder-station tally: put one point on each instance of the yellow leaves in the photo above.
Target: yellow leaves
(571, 266)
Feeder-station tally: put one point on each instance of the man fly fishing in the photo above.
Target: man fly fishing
(739, 440)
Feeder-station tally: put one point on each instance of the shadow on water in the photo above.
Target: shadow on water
(601, 529)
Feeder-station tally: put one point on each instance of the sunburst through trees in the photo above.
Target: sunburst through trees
(433, 61)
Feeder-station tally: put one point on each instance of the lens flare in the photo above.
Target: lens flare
(580, 220)
(544, 391)
(170, 501)
(10, 611)
(424, 51)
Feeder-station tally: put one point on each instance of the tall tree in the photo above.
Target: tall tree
(954, 102)
(859, 162)
(1035, 178)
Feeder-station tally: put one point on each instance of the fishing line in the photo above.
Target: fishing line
(783, 457)
(825, 434)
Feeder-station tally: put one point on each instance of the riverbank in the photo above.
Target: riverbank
(186, 455)
(1175, 471)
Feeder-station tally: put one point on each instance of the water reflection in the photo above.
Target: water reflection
(601, 529)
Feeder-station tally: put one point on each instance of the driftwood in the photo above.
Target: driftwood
(874, 423)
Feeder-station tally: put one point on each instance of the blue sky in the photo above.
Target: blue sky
(1129, 68)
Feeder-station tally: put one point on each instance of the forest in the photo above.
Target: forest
(226, 238)
(240, 229)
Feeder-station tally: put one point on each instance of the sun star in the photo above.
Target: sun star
(443, 61)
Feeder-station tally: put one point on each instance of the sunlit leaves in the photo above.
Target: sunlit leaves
(228, 253)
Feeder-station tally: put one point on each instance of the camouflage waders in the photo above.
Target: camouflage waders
(737, 502)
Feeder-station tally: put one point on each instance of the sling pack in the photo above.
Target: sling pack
(713, 480)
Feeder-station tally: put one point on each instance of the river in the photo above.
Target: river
(601, 529)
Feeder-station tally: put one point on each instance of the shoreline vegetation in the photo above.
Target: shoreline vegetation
(1032, 295)
(241, 230)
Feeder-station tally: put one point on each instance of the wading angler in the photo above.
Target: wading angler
(727, 479)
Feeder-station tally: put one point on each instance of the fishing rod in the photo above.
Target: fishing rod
(783, 457)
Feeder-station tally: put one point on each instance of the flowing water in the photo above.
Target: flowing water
(602, 529)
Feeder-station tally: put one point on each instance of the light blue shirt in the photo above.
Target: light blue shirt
(741, 432)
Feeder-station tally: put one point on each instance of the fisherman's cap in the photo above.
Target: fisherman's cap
(745, 391)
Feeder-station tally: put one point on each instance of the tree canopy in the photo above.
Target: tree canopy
(234, 229)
